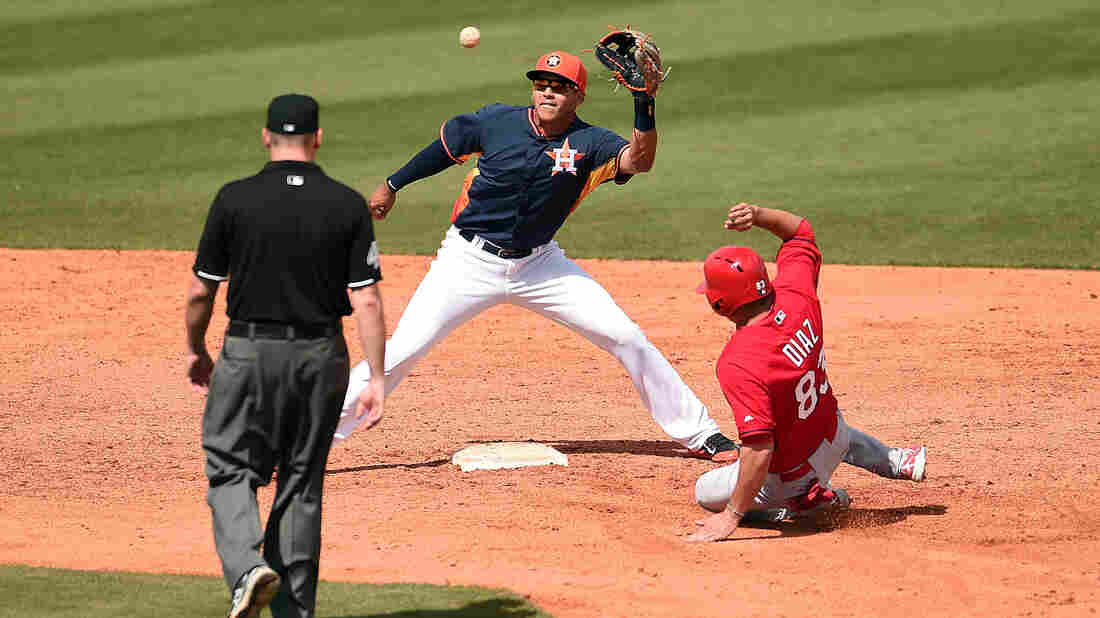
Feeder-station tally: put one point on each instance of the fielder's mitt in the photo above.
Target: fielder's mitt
(633, 58)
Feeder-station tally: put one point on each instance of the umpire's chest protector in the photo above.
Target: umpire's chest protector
(526, 183)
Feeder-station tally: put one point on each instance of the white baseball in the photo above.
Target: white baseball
(470, 36)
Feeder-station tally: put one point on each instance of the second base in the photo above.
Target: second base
(496, 455)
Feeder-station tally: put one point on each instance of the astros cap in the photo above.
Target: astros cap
(292, 114)
(733, 277)
(564, 65)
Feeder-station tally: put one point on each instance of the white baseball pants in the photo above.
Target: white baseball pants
(464, 281)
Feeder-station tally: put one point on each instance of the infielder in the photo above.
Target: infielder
(535, 165)
(772, 372)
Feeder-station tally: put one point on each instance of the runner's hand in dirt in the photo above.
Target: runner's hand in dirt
(714, 528)
(199, 368)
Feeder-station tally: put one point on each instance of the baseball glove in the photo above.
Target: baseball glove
(633, 58)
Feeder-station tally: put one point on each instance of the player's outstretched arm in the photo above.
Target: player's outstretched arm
(639, 157)
(742, 217)
(433, 159)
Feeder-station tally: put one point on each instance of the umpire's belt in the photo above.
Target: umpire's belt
(279, 330)
(496, 250)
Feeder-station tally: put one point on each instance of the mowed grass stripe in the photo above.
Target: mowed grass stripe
(904, 141)
(70, 34)
(22, 11)
(1005, 54)
(852, 72)
(890, 182)
(393, 63)
(1001, 55)
(234, 25)
(944, 178)
(727, 62)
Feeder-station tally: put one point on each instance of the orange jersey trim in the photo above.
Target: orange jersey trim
(459, 159)
(534, 125)
(464, 196)
(600, 175)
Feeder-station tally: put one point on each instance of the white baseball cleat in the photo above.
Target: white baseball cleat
(912, 463)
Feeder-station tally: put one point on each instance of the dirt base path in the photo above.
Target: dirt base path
(996, 371)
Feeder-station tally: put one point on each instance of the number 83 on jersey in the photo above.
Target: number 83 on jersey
(797, 349)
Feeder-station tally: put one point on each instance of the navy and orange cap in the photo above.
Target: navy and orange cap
(734, 276)
(564, 65)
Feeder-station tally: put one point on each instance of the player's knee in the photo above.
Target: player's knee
(713, 489)
(629, 340)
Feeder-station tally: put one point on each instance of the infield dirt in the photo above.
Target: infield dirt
(995, 371)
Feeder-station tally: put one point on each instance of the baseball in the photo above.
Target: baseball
(470, 36)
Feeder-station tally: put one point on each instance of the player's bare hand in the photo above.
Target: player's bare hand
(741, 217)
(369, 406)
(382, 200)
(714, 528)
(199, 368)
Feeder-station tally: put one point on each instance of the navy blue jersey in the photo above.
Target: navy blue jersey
(525, 183)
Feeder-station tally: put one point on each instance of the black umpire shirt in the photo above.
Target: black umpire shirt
(282, 238)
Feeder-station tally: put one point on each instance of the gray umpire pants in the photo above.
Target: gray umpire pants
(273, 403)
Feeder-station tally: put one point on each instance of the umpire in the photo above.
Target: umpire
(295, 245)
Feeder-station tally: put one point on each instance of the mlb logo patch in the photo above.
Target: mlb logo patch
(295, 181)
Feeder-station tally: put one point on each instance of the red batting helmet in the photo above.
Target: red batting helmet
(734, 276)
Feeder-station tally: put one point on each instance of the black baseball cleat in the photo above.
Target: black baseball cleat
(253, 592)
(718, 448)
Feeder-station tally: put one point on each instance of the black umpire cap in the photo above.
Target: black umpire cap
(292, 114)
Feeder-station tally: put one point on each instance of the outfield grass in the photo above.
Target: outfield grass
(925, 134)
(57, 593)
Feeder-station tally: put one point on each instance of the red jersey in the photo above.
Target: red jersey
(773, 371)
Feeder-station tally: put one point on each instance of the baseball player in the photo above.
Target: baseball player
(535, 165)
(772, 372)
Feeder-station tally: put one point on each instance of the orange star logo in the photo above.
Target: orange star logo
(565, 158)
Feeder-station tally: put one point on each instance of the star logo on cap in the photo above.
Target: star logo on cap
(553, 61)
(565, 158)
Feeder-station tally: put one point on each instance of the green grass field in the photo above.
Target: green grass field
(57, 593)
(928, 132)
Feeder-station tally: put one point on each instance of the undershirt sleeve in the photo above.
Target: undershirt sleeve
(364, 268)
(212, 256)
